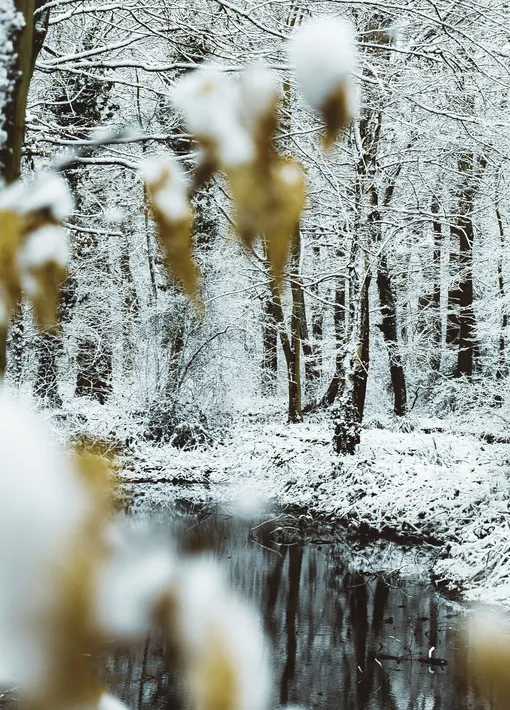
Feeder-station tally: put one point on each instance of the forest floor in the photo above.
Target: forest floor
(443, 484)
(447, 491)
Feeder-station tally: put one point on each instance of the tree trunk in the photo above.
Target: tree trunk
(27, 42)
(389, 330)
(269, 364)
(17, 67)
(294, 365)
(94, 371)
(339, 326)
(49, 346)
(436, 329)
(291, 345)
(348, 415)
(463, 230)
(313, 337)
(502, 370)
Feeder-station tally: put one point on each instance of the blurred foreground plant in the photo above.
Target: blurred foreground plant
(235, 123)
(74, 578)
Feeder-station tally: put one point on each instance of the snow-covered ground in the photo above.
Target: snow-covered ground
(447, 491)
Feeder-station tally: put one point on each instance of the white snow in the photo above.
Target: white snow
(130, 586)
(323, 54)
(439, 486)
(46, 245)
(168, 180)
(260, 90)
(108, 702)
(47, 191)
(211, 614)
(211, 106)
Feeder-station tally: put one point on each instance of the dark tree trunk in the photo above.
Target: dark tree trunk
(94, 363)
(269, 363)
(470, 168)
(502, 370)
(295, 413)
(27, 41)
(436, 329)
(464, 231)
(49, 347)
(294, 365)
(339, 325)
(389, 330)
(312, 338)
(348, 416)
(15, 346)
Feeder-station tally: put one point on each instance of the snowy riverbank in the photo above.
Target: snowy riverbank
(449, 492)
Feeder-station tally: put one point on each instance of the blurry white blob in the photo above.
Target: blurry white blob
(210, 104)
(291, 174)
(323, 54)
(42, 505)
(47, 245)
(48, 191)
(115, 215)
(108, 702)
(169, 186)
(260, 91)
(247, 500)
(215, 625)
(487, 629)
(131, 584)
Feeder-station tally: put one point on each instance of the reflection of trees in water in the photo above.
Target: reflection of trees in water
(330, 629)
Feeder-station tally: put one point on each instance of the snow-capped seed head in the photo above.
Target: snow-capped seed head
(224, 648)
(131, 585)
(48, 192)
(44, 246)
(168, 190)
(35, 531)
(169, 187)
(210, 104)
(323, 54)
(42, 262)
(260, 92)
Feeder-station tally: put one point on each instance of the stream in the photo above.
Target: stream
(342, 638)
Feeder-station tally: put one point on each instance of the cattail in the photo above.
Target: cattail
(168, 190)
(34, 250)
(323, 54)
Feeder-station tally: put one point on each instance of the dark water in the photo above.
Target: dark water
(340, 638)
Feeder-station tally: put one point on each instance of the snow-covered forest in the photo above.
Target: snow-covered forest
(258, 255)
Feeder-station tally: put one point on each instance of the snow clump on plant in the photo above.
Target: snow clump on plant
(323, 54)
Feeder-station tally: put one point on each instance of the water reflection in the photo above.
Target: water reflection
(341, 639)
